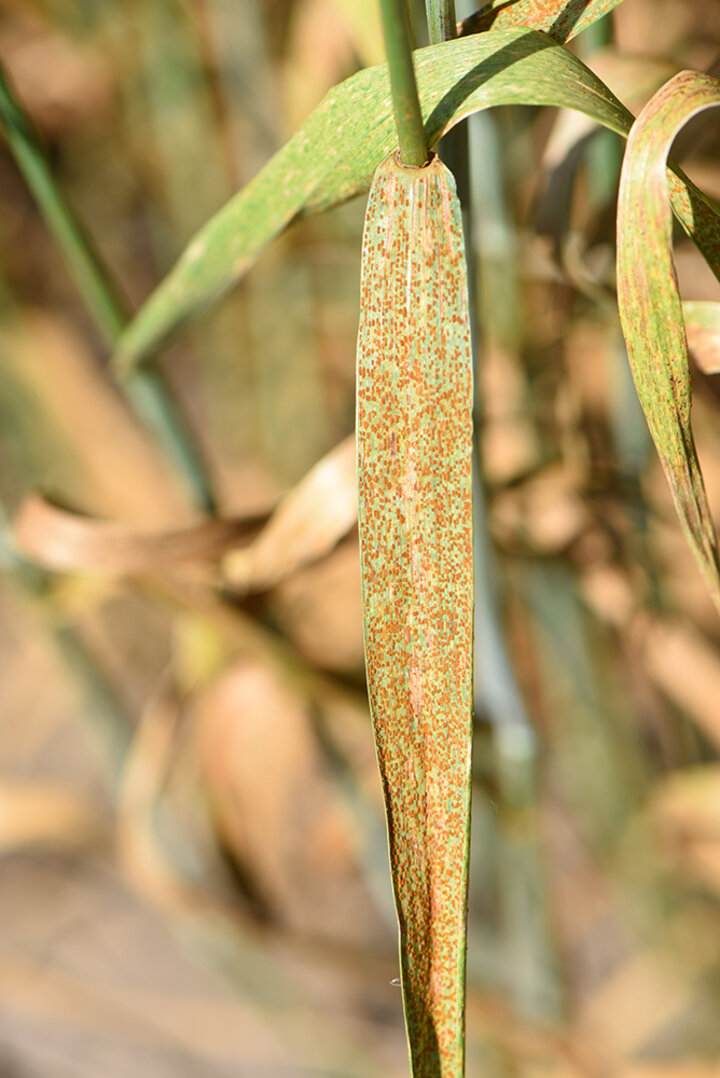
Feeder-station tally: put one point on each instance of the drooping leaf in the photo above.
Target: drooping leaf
(561, 19)
(63, 541)
(650, 306)
(309, 521)
(333, 157)
(305, 526)
(414, 434)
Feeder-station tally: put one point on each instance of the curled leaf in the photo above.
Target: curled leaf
(650, 306)
(306, 525)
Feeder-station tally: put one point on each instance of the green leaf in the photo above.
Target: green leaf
(334, 154)
(414, 448)
(561, 19)
(650, 306)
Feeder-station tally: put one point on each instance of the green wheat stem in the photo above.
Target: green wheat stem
(406, 105)
(83, 262)
(441, 19)
(147, 395)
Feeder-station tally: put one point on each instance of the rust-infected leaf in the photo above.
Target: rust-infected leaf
(414, 435)
(561, 19)
(334, 154)
(650, 306)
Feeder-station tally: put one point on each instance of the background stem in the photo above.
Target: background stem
(406, 105)
(441, 19)
(145, 391)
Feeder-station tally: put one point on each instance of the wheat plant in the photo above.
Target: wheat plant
(420, 509)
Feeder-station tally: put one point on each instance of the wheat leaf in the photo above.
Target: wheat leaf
(414, 431)
(650, 306)
(333, 156)
(561, 19)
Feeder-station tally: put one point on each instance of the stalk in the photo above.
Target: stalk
(146, 393)
(406, 105)
(442, 21)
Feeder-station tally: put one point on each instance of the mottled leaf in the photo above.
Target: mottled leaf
(414, 431)
(650, 306)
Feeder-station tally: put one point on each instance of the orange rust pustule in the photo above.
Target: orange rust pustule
(414, 431)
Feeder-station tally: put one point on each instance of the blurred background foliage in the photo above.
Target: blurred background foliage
(194, 874)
